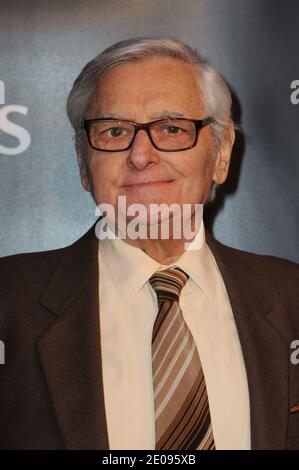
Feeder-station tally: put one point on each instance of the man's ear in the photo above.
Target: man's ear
(83, 172)
(223, 156)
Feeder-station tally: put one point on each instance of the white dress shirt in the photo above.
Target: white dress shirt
(128, 308)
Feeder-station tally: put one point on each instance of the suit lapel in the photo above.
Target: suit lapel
(70, 347)
(264, 349)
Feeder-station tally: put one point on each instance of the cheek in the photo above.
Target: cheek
(104, 175)
(195, 167)
(103, 169)
(197, 173)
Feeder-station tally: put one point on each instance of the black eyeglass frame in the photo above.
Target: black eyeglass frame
(199, 124)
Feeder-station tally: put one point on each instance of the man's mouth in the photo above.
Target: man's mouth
(147, 184)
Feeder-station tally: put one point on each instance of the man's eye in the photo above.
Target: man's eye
(115, 131)
(173, 130)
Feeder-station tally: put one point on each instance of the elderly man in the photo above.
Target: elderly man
(128, 342)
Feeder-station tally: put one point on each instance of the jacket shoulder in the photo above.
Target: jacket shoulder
(280, 274)
(27, 271)
(257, 259)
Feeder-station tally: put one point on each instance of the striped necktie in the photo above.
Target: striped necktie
(182, 415)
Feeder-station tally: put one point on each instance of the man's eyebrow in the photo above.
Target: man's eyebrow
(110, 116)
(168, 114)
(158, 115)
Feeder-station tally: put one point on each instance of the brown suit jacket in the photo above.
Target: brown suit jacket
(51, 390)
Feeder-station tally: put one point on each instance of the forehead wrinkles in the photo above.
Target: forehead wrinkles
(147, 84)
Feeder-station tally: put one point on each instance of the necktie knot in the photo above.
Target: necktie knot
(168, 283)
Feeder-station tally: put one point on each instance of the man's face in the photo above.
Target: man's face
(154, 88)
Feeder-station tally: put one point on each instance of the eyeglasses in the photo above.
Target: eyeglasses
(168, 135)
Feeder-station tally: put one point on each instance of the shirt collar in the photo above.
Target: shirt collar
(131, 267)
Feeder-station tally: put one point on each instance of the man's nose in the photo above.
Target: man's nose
(142, 151)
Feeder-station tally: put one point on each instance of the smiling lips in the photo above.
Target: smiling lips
(147, 184)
